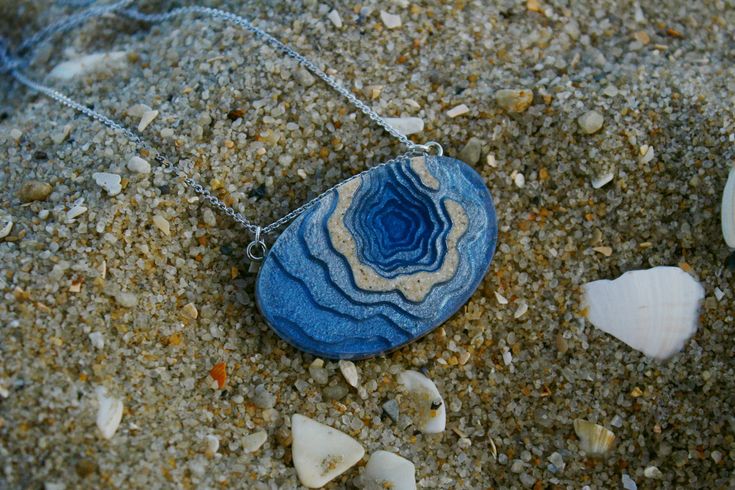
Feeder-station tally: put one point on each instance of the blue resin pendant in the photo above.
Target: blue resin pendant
(381, 260)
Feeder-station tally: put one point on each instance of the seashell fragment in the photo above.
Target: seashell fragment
(349, 371)
(87, 64)
(5, 230)
(388, 470)
(727, 213)
(139, 165)
(654, 311)
(595, 440)
(253, 442)
(391, 21)
(457, 111)
(335, 18)
(321, 453)
(426, 406)
(146, 119)
(109, 182)
(406, 125)
(109, 413)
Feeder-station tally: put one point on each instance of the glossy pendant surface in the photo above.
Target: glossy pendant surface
(381, 260)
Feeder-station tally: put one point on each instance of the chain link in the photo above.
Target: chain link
(12, 63)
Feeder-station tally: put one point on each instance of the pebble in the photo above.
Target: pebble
(391, 21)
(606, 251)
(557, 460)
(652, 472)
(262, 398)
(603, 179)
(253, 442)
(502, 300)
(162, 224)
(139, 165)
(628, 483)
(514, 100)
(97, 339)
(388, 470)
(335, 18)
(335, 392)
(319, 463)
(646, 154)
(719, 294)
(507, 358)
(318, 373)
(424, 403)
(109, 182)
(304, 77)
(34, 190)
(610, 91)
(61, 136)
(457, 111)
(521, 310)
(349, 371)
(517, 466)
(716, 456)
(190, 311)
(128, 300)
(491, 161)
(211, 445)
(471, 152)
(406, 125)
(590, 122)
(109, 413)
(519, 180)
(6, 229)
(527, 480)
(83, 65)
(75, 211)
(137, 110)
(15, 134)
(146, 119)
(391, 409)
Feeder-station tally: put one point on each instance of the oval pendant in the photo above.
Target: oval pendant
(381, 260)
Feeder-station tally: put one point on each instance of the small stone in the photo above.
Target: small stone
(527, 480)
(391, 409)
(603, 179)
(680, 458)
(521, 310)
(304, 77)
(211, 445)
(109, 413)
(253, 442)
(146, 119)
(519, 180)
(6, 229)
(513, 100)
(610, 91)
(128, 300)
(98, 341)
(636, 392)
(262, 398)
(517, 466)
(491, 161)
(617, 421)
(391, 21)
(457, 111)
(386, 470)
(335, 392)
(88, 64)
(606, 251)
(557, 460)
(628, 483)
(61, 136)
(349, 371)
(34, 190)
(139, 165)
(646, 154)
(162, 224)
(719, 293)
(406, 125)
(471, 152)
(321, 453)
(137, 110)
(75, 211)
(507, 358)
(15, 134)
(502, 300)
(109, 182)
(190, 311)
(85, 467)
(335, 18)
(653, 472)
(590, 122)
(318, 373)
(716, 456)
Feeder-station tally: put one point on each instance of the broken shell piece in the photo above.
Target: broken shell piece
(88, 64)
(594, 440)
(162, 224)
(654, 311)
(457, 111)
(335, 18)
(502, 300)
(109, 413)
(388, 470)
(146, 119)
(406, 125)
(5, 230)
(349, 371)
(727, 213)
(391, 21)
(603, 179)
(426, 406)
(253, 442)
(139, 165)
(321, 453)
(109, 182)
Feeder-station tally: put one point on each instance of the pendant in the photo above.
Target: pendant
(381, 260)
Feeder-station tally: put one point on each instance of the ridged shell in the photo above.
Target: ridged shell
(381, 260)
(654, 311)
(594, 439)
(727, 212)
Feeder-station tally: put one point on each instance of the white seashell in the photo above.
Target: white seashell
(406, 125)
(594, 439)
(162, 224)
(321, 453)
(388, 470)
(139, 165)
(5, 230)
(349, 371)
(89, 63)
(253, 442)
(137, 110)
(146, 119)
(76, 210)
(211, 445)
(391, 21)
(654, 311)
(427, 406)
(98, 341)
(521, 310)
(457, 111)
(335, 18)
(109, 182)
(502, 300)
(109, 413)
(602, 180)
(727, 213)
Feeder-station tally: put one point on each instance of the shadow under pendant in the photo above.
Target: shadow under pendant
(381, 260)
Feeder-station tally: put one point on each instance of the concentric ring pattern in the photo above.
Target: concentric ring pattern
(381, 260)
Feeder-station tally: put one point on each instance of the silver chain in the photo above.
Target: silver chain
(257, 248)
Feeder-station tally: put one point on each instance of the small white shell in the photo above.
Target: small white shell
(5, 230)
(594, 439)
(349, 371)
(253, 442)
(654, 311)
(727, 213)
(109, 182)
(89, 63)
(109, 413)
(146, 119)
(427, 406)
(388, 470)
(321, 453)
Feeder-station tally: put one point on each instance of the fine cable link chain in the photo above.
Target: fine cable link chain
(256, 249)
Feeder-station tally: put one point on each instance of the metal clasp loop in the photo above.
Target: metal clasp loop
(430, 148)
(257, 248)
